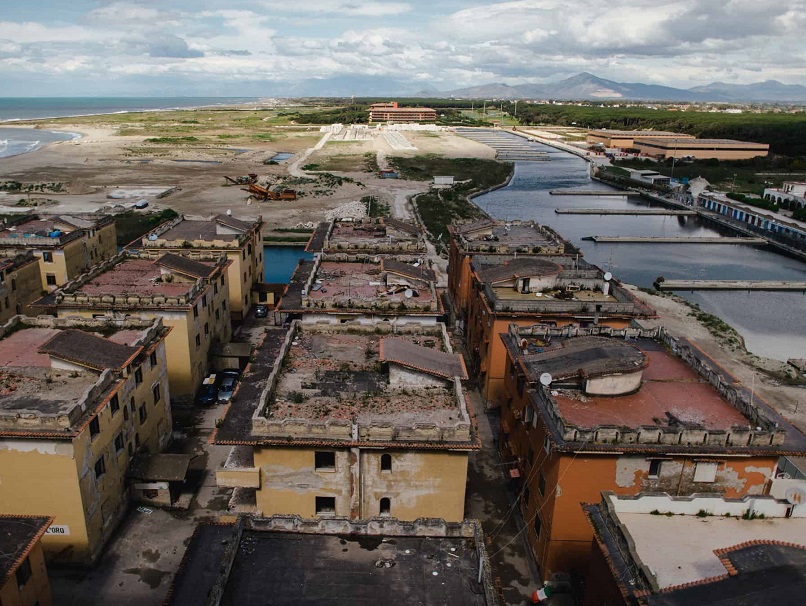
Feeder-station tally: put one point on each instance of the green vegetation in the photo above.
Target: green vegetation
(131, 225)
(785, 132)
(752, 201)
(297, 239)
(376, 207)
(799, 214)
(16, 186)
(439, 207)
(371, 163)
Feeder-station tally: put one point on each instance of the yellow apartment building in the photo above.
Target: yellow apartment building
(23, 574)
(191, 297)
(354, 421)
(79, 399)
(19, 284)
(66, 245)
(240, 240)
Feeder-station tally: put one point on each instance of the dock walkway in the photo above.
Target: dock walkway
(675, 240)
(770, 285)
(625, 211)
(591, 192)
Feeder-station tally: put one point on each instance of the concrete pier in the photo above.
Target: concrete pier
(770, 285)
(625, 211)
(664, 240)
(590, 192)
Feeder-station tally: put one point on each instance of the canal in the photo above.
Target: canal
(281, 261)
(772, 324)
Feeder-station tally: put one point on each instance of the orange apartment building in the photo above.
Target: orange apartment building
(636, 411)
(551, 290)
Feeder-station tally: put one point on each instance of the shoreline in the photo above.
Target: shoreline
(38, 145)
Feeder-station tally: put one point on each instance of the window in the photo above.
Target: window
(222, 280)
(95, 427)
(125, 413)
(156, 393)
(541, 484)
(325, 506)
(118, 442)
(324, 461)
(705, 471)
(198, 341)
(224, 305)
(143, 413)
(386, 462)
(386, 507)
(215, 288)
(249, 248)
(24, 573)
(138, 375)
(196, 311)
(654, 468)
(525, 495)
(47, 257)
(206, 329)
(521, 383)
(114, 404)
(153, 359)
(217, 315)
(100, 468)
(13, 284)
(204, 300)
(50, 279)
(538, 526)
(528, 413)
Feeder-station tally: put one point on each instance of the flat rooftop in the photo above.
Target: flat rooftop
(701, 143)
(367, 234)
(671, 393)
(520, 236)
(221, 228)
(339, 376)
(355, 284)
(329, 570)
(638, 133)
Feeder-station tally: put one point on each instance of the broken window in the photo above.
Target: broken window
(95, 427)
(386, 506)
(100, 467)
(23, 573)
(325, 505)
(114, 404)
(119, 442)
(386, 462)
(156, 393)
(654, 468)
(325, 461)
(143, 413)
(138, 375)
(50, 279)
(153, 359)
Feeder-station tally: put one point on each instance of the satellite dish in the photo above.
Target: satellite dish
(608, 276)
(409, 293)
(229, 212)
(796, 495)
(152, 237)
(546, 379)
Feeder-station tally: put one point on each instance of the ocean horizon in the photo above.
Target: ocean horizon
(16, 141)
(37, 108)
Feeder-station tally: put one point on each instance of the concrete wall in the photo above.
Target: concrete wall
(421, 483)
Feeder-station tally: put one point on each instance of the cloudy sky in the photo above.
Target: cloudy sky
(262, 47)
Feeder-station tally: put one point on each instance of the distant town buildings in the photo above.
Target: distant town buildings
(241, 241)
(630, 413)
(65, 245)
(78, 399)
(191, 296)
(390, 112)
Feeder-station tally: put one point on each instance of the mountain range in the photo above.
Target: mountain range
(586, 86)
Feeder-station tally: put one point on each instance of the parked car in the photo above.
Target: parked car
(208, 394)
(227, 386)
(261, 310)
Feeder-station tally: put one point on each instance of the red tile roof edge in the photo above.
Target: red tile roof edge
(307, 443)
(40, 533)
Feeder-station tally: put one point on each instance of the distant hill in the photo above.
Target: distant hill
(586, 86)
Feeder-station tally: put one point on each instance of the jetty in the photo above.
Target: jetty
(591, 192)
(626, 211)
(673, 240)
(769, 285)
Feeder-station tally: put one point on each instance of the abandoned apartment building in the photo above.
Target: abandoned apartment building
(24, 577)
(240, 240)
(714, 550)
(336, 288)
(627, 411)
(78, 399)
(378, 236)
(355, 421)
(191, 297)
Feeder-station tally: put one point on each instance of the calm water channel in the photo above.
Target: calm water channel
(281, 261)
(772, 324)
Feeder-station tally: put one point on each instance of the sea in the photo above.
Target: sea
(14, 141)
